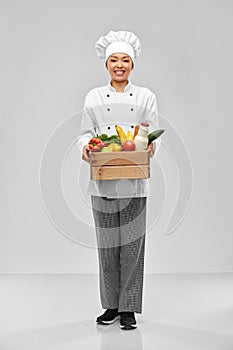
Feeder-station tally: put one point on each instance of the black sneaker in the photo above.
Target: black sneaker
(108, 317)
(127, 320)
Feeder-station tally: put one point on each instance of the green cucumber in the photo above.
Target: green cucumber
(154, 135)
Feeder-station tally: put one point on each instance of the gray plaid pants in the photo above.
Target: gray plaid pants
(120, 225)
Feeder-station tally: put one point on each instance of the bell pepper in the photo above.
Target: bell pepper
(95, 144)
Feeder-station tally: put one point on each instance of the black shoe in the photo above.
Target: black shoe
(108, 317)
(127, 320)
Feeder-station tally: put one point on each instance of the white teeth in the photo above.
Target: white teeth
(119, 72)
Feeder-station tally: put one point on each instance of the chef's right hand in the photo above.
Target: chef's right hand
(85, 155)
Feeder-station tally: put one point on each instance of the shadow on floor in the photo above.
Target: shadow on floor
(88, 334)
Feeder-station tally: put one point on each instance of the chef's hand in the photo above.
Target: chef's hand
(85, 155)
(151, 147)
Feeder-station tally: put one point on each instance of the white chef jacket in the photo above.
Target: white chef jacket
(103, 109)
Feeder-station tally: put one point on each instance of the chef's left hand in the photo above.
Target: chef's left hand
(151, 147)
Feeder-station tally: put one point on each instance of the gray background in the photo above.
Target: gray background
(48, 64)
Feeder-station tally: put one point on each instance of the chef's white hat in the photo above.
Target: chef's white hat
(121, 42)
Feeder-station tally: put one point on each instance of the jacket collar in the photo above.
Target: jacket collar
(127, 88)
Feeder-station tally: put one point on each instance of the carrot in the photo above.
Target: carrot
(136, 128)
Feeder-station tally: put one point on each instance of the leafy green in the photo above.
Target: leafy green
(109, 139)
(103, 137)
(113, 139)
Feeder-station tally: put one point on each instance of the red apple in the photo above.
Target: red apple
(128, 145)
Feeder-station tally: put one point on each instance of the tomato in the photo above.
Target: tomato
(129, 145)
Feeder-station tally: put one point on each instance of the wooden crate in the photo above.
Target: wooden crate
(119, 165)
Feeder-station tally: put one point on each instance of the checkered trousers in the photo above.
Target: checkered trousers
(120, 225)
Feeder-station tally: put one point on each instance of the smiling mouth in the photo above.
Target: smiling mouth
(119, 72)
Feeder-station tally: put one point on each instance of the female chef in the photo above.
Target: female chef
(119, 206)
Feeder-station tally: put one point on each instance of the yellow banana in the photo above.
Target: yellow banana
(129, 135)
(120, 133)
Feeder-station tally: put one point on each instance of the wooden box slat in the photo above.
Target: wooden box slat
(119, 158)
(120, 172)
(119, 165)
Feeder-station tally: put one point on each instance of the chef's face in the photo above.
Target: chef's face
(119, 66)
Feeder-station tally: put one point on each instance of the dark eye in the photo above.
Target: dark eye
(112, 60)
(126, 60)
